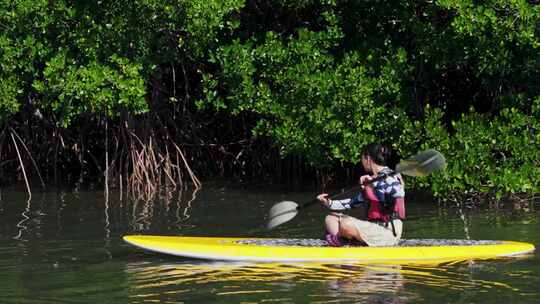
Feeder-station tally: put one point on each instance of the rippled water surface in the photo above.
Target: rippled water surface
(67, 248)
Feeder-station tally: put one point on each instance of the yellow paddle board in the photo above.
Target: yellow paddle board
(311, 250)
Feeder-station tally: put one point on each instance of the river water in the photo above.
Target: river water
(67, 248)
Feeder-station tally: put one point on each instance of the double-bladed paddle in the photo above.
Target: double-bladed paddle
(420, 164)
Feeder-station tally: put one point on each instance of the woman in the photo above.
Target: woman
(383, 195)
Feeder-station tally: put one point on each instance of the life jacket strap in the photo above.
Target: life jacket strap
(393, 228)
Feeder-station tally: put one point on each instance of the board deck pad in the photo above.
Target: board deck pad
(402, 242)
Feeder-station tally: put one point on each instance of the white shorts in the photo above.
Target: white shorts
(378, 234)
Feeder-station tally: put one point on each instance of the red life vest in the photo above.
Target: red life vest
(384, 211)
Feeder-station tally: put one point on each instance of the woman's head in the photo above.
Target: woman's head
(377, 154)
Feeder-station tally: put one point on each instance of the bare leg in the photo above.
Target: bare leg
(332, 223)
(348, 230)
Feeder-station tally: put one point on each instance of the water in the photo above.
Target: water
(67, 248)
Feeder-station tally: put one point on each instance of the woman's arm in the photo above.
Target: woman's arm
(346, 203)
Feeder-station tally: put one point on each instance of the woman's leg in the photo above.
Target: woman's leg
(348, 230)
(373, 234)
(332, 223)
(332, 229)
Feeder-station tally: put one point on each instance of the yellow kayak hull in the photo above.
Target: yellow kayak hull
(236, 249)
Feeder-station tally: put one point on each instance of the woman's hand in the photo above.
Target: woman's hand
(364, 179)
(323, 198)
(400, 179)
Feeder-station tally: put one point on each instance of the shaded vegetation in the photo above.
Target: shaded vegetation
(145, 95)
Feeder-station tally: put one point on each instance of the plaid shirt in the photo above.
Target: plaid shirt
(390, 185)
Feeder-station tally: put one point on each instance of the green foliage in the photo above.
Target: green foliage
(8, 97)
(351, 76)
(309, 101)
(71, 58)
(9, 81)
(205, 20)
(500, 40)
(494, 156)
(70, 90)
(319, 78)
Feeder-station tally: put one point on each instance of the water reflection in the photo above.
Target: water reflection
(320, 282)
(25, 217)
(183, 216)
(151, 281)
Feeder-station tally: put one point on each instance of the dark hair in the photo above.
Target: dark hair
(380, 154)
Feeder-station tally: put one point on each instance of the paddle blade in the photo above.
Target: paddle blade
(422, 163)
(281, 212)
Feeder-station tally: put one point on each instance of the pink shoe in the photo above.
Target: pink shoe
(333, 240)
